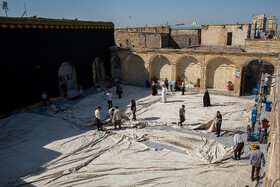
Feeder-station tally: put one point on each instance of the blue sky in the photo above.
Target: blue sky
(136, 13)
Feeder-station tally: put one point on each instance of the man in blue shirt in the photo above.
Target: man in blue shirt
(172, 85)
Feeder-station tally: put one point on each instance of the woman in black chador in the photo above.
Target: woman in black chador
(206, 99)
(154, 88)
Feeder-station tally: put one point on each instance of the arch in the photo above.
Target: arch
(135, 70)
(251, 74)
(159, 68)
(188, 69)
(246, 63)
(116, 67)
(98, 70)
(67, 76)
(221, 58)
(219, 71)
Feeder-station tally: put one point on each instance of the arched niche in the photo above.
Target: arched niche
(98, 70)
(160, 68)
(188, 69)
(67, 75)
(116, 67)
(219, 71)
(252, 72)
(135, 69)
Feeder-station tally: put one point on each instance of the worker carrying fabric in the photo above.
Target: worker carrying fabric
(256, 158)
(238, 145)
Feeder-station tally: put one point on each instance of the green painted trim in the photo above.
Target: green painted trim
(44, 21)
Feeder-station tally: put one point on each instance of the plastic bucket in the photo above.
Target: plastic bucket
(268, 105)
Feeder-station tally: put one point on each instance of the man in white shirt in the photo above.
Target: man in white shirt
(98, 118)
(109, 97)
(238, 145)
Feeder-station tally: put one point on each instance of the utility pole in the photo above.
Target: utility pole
(5, 7)
(25, 12)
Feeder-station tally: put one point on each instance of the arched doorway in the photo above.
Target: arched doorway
(98, 70)
(67, 76)
(251, 74)
(116, 67)
(160, 68)
(188, 69)
(135, 69)
(219, 72)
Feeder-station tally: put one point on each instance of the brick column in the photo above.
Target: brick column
(203, 78)
(173, 72)
(237, 82)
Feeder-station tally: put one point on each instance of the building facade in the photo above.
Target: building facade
(214, 68)
(40, 54)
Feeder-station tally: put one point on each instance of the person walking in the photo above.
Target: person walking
(172, 85)
(64, 90)
(206, 99)
(255, 159)
(182, 115)
(117, 117)
(98, 119)
(154, 88)
(183, 87)
(219, 123)
(163, 94)
(109, 99)
(166, 83)
(238, 145)
(45, 98)
(119, 89)
(133, 108)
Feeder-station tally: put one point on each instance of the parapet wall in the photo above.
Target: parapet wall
(262, 46)
(273, 164)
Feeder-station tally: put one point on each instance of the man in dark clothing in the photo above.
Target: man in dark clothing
(219, 123)
(64, 90)
(119, 89)
(166, 83)
(256, 158)
(182, 115)
(133, 108)
(206, 99)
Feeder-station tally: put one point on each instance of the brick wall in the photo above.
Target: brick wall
(127, 39)
(273, 164)
(180, 39)
(262, 46)
(217, 34)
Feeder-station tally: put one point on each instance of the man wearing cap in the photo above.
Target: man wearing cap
(98, 119)
(238, 145)
(256, 158)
